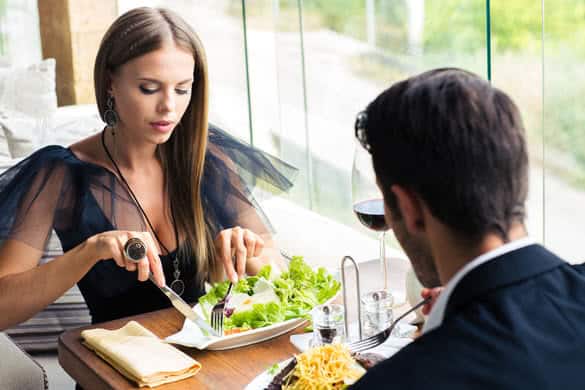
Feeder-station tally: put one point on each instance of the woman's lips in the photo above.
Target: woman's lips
(162, 126)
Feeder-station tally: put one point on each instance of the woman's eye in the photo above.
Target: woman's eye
(147, 91)
(183, 91)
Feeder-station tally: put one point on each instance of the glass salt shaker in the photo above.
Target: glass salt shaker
(377, 314)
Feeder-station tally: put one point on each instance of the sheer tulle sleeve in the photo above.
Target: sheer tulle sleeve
(233, 169)
(31, 194)
(53, 190)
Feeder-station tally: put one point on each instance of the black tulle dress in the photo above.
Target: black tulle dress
(53, 190)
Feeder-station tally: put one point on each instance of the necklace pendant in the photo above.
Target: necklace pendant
(178, 286)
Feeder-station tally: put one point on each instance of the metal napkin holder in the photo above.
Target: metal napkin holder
(358, 293)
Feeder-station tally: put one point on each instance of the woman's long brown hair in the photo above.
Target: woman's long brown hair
(133, 34)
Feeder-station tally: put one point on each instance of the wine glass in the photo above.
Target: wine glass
(368, 203)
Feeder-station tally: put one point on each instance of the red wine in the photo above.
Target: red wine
(371, 214)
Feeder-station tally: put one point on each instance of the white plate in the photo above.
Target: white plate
(263, 380)
(191, 336)
(301, 342)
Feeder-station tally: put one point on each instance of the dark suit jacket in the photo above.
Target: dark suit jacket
(515, 322)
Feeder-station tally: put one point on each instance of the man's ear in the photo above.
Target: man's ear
(411, 207)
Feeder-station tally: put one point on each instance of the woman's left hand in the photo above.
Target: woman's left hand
(235, 247)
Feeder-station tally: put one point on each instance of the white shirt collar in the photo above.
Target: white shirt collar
(437, 313)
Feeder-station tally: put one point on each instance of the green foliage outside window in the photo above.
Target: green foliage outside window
(460, 24)
(454, 32)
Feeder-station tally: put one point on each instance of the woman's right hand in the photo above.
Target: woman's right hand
(110, 245)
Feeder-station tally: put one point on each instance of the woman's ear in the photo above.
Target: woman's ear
(110, 82)
(411, 208)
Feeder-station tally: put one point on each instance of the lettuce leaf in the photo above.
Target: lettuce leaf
(299, 289)
(262, 314)
(302, 288)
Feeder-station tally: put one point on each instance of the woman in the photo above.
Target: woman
(155, 174)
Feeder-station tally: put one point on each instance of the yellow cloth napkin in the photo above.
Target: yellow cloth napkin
(140, 355)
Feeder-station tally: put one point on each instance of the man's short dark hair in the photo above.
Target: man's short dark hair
(456, 141)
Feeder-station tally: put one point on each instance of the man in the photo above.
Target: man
(450, 158)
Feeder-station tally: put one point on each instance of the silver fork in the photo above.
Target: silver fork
(379, 338)
(217, 312)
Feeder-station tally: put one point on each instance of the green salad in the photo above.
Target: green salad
(266, 299)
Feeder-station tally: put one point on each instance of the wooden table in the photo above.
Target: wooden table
(231, 369)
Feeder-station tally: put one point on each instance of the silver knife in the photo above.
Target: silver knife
(184, 308)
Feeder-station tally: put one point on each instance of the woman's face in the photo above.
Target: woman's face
(152, 92)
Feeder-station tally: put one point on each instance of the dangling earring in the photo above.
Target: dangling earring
(110, 115)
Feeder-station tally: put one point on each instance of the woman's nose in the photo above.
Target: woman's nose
(167, 102)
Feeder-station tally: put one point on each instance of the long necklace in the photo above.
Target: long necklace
(177, 285)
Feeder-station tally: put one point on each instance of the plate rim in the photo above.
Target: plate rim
(285, 329)
(281, 365)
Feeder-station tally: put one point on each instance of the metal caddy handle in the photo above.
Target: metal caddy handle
(358, 294)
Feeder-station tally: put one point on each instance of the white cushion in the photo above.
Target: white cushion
(22, 133)
(68, 125)
(4, 150)
(5, 164)
(30, 90)
(28, 101)
(67, 114)
(71, 124)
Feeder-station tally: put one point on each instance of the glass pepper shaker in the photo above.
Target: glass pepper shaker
(328, 324)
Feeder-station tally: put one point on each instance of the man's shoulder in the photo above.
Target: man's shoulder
(579, 267)
(457, 355)
(517, 329)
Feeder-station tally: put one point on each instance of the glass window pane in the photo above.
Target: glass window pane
(354, 49)
(276, 86)
(564, 126)
(517, 70)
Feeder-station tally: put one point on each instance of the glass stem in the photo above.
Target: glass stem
(383, 259)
